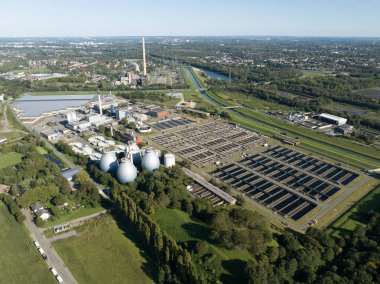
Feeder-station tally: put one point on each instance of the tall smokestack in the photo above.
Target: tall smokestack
(143, 42)
(100, 105)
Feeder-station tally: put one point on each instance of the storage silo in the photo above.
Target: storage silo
(108, 162)
(126, 172)
(169, 160)
(150, 161)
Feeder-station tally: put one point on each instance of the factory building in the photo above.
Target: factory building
(80, 126)
(159, 113)
(329, 118)
(71, 116)
(49, 135)
(123, 113)
(345, 129)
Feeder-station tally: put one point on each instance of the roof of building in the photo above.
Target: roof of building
(70, 173)
(331, 116)
(40, 212)
(36, 205)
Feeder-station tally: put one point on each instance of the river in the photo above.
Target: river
(215, 75)
(202, 91)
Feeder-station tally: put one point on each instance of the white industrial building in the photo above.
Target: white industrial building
(80, 125)
(122, 113)
(49, 135)
(333, 119)
(71, 116)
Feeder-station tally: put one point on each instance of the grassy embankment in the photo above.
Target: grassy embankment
(102, 252)
(349, 151)
(20, 261)
(356, 215)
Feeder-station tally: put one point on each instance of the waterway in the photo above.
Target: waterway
(215, 75)
(202, 91)
(33, 106)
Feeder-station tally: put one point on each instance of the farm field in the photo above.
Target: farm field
(9, 159)
(19, 259)
(103, 253)
(182, 228)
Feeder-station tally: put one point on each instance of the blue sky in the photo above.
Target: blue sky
(191, 17)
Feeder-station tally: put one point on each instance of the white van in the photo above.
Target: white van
(55, 273)
(37, 244)
(59, 279)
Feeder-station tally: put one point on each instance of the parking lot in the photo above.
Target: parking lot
(208, 143)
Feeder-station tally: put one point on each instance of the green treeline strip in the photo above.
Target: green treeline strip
(12, 207)
(171, 257)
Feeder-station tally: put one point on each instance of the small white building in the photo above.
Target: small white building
(43, 214)
(1, 97)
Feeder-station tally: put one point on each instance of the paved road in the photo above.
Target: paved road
(53, 258)
(62, 236)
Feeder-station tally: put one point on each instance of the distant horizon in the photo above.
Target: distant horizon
(196, 36)
(95, 18)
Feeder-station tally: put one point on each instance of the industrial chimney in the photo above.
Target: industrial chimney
(144, 59)
(100, 105)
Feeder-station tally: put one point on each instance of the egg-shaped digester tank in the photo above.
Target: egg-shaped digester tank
(150, 161)
(126, 171)
(108, 162)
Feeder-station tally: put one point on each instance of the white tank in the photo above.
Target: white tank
(126, 172)
(108, 162)
(169, 160)
(150, 161)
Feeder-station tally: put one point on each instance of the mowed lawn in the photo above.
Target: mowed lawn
(9, 159)
(356, 215)
(20, 261)
(179, 225)
(102, 253)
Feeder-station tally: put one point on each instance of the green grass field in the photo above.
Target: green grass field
(354, 217)
(102, 253)
(9, 159)
(20, 261)
(41, 150)
(182, 227)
